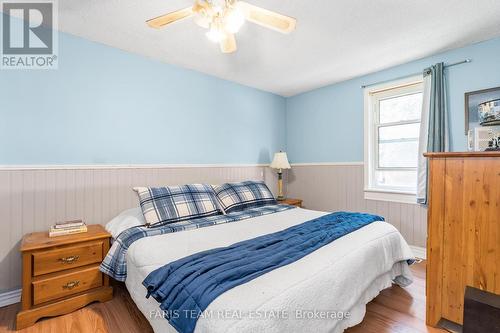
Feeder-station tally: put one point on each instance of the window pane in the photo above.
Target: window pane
(399, 132)
(402, 154)
(401, 108)
(397, 179)
(398, 146)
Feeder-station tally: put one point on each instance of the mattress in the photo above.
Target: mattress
(326, 291)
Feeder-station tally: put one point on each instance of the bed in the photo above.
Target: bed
(325, 291)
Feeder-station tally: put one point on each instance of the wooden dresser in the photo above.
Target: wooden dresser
(463, 237)
(61, 274)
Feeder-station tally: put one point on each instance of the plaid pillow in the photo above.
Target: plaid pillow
(163, 205)
(239, 196)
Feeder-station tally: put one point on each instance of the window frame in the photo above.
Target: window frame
(372, 96)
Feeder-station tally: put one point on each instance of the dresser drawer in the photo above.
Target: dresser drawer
(55, 260)
(58, 285)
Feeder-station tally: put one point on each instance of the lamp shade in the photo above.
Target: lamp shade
(280, 161)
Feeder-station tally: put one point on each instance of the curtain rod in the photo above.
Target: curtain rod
(466, 61)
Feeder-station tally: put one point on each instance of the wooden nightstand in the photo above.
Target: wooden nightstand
(61, 274)
(290, 201)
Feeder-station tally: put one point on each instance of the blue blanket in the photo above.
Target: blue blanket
(186, 287)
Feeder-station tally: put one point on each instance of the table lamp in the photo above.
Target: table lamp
(280, 162)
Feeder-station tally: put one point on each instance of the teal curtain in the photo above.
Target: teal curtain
(434, 133)
(438, 113)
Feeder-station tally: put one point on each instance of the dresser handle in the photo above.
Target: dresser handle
(71, 285)
(69, 260)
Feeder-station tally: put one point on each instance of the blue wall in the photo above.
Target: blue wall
(326, 124)
(106, 106)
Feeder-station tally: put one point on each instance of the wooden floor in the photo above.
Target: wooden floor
(395, 310)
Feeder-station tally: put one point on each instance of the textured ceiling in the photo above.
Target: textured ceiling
(334, 40)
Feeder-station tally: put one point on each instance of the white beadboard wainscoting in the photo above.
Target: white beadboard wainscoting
(339, 186)
(34, 198)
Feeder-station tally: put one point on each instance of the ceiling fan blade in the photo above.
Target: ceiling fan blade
(267, 18)
(228, 45)
(163, 20)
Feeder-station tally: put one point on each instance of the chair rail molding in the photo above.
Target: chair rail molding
(327, 163)
(125, 166)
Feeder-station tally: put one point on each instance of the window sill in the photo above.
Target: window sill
(391, 196)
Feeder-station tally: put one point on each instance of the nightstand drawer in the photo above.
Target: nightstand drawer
(56, 260)
(64, 284)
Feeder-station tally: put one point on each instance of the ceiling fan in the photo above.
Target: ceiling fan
(224, 18)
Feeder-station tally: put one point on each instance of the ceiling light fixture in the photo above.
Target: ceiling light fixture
(234, 20)
(216, 33)
(224, 18)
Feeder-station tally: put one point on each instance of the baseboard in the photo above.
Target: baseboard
(10, 297)
(419, 252)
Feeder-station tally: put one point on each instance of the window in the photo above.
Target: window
(392, 126)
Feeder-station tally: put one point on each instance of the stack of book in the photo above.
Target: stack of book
(67, 228)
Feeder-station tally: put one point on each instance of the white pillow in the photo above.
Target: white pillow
(127, 219)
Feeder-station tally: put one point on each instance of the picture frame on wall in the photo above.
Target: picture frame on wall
(487, 101)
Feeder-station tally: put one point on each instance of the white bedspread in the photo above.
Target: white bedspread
(341, 276)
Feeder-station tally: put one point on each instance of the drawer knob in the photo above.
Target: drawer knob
(69, 260)
(71, 285)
